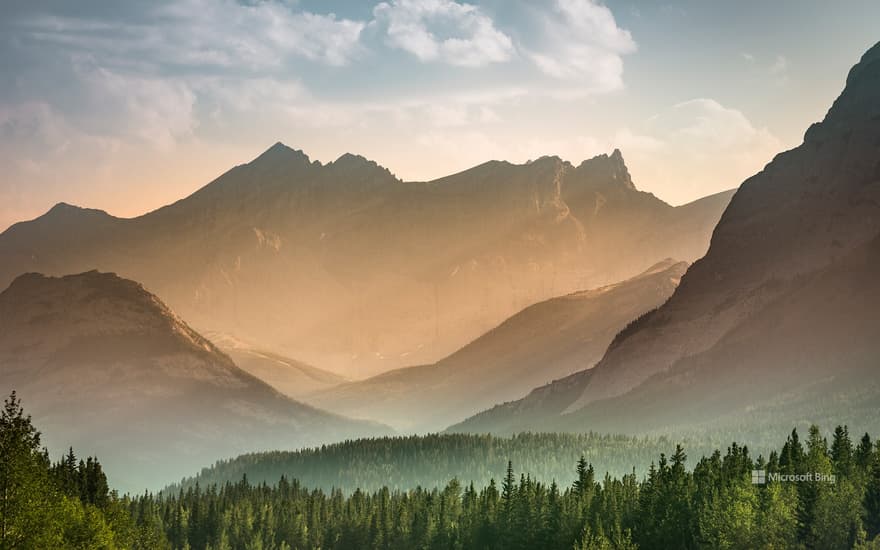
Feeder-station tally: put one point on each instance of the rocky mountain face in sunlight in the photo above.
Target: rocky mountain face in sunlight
(347, 268)
(103, 364)
(289, 376)
(548, 340)
(778, 319)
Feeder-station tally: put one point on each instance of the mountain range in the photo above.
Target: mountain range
(347, 268)
(776, 325)
(103, 364)
(545, 341)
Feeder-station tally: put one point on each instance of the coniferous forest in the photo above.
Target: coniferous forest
(718, 503)
(352, 464)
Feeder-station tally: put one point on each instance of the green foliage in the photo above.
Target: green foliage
(66, 505)
(27, 499)
(716, 505)
(430, 461)
(872, 498)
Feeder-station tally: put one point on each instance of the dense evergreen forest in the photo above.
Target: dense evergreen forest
(728, 500)
(401, 463)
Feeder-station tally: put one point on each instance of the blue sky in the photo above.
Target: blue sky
(127, 106)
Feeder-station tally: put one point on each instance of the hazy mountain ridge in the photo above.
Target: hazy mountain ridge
(104, 364)
(342, 263)
(545, 341)
(289, 376)
(781, 302)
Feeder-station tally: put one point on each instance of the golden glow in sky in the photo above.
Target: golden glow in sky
(129, 107)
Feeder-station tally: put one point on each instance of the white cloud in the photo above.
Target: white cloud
(152, 110)
(149, 83)
(222, 33)
(582, 43)
(696, 147)
(714, 127)
(444, 31)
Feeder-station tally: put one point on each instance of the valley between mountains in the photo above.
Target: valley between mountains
(290, 304)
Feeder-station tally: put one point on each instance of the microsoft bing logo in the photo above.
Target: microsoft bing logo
(759, 477)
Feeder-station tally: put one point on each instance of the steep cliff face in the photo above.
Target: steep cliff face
(347, 268)
(779, 306)
(808, 208)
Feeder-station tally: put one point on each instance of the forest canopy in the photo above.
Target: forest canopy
(727, 500)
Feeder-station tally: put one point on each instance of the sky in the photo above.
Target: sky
(127, 106)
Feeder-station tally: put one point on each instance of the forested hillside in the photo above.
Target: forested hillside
(722, 503)
(403, 463)
(828, 497)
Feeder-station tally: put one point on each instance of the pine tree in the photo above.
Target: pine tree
(27, 497)
(864, 453)
(680, 523)
(817, 462)
(792, 457)
(508, 491)
(871, 502)
(842, 452)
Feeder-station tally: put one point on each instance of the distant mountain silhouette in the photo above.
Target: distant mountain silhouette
(776, 324)
(545, 341)
(347, 268)
(104, 365)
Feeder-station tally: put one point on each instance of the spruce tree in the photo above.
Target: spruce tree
(871, 501)
(27, 495)
(842, 452)
(864, 453)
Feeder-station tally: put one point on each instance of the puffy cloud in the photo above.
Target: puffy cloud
(681, 149)
(96, 89)
(713, 127)
(582, 43)
(152, 110)
(444, 31)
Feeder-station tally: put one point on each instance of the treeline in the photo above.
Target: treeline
(830, 500)
(726, 501)
(402, 463)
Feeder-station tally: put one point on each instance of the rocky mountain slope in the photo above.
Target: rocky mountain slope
(778, 317)
(543, 342)
(104, 365)
(291, 377)
(345, 267)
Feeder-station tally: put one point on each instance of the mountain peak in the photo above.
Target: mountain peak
(109, 284)
(361, 166)
(65, 209)
(93, 303)
(65, 213)
(351, 160)
(547, 158)
(869, 57)
(120, 354)
(282, 153)
(610, 168)
(63, 206)
(857, 105)
(279, 146)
